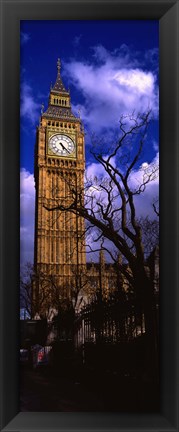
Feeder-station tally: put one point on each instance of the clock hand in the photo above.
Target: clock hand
(64, 147)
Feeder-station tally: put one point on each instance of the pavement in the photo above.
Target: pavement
(44, 389)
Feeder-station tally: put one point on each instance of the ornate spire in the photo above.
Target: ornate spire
(58, 65)
(59, 86)
(59, 100)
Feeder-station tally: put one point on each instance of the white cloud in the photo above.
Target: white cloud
(27, 211)
(144, 201)
(94, 170)
(155, 145)
(152, 57)
(114, 86)
(25, 37)
(122, 56)
(136, 80)
(29, 108)
(76, 40)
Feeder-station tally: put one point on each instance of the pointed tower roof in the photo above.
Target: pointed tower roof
(59, 86)
(59, 105)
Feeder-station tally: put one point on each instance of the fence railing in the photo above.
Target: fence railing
(111, 321)
(110, 335)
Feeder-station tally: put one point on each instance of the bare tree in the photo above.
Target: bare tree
(43, 295)
(108, 205)
(39, 302)
(26, 281)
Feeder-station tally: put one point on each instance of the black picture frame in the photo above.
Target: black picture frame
(12, 11)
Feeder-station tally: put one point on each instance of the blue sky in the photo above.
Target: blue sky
(111, 68)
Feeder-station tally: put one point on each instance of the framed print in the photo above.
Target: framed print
(89, 331)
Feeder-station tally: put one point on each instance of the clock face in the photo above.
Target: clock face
(61, 145)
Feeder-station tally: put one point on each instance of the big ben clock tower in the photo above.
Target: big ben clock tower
(59, 164)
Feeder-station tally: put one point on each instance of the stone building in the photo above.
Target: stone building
(59, 166)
